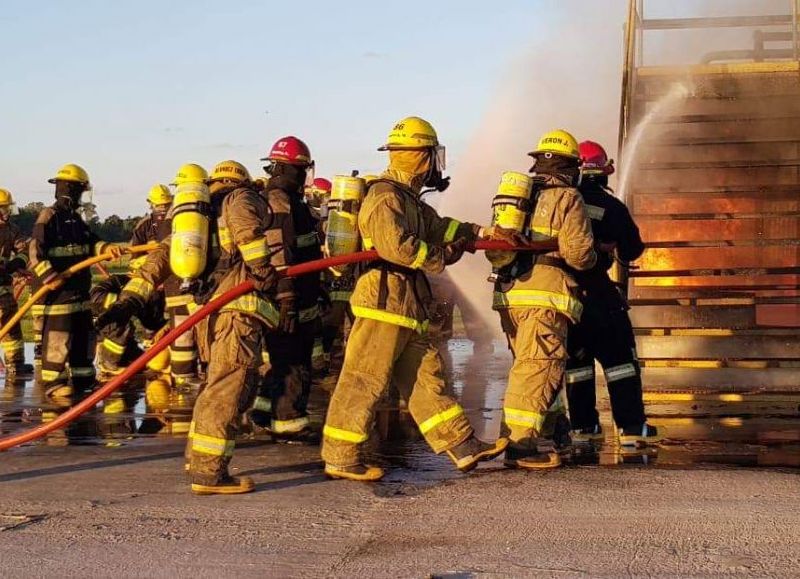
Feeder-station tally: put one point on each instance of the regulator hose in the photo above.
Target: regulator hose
(47, 288)
(141, 362)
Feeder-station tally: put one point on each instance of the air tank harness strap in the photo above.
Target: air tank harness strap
(551, 262)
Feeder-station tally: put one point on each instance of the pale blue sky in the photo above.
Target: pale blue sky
(130, 90)
(133, 89)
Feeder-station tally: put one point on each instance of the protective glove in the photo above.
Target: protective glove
(454, 250)
(115, 250)
(288, 316)
(118, 315)
(497, 233)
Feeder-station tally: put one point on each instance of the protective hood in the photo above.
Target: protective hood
(409, 167)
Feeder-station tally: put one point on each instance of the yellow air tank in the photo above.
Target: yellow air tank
(189, 244)
(342, 236)
(511, 209)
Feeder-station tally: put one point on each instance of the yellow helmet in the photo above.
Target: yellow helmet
(231, 170)
(190, 173)
(411, 133)
(71, 172)
(558, 142)
(6, 198)
(159, 195)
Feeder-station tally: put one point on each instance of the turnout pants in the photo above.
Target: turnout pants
(289, 378)
(13, 344)
(235, 342)
(606, 336)
(333, 323)
(68, 339)
(183, 351)
(378, 353)
(537, 338)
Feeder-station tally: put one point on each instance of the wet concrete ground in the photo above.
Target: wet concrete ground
(108, 497)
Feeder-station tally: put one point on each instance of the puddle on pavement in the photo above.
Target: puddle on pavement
(764, 433)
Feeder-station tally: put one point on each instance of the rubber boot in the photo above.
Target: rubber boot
(469, 453)
(60, 390)
(305, 437)
(229, 485)
(587, 435)
(18, 371)
(531, 459)
(357, 472)
(638, 436)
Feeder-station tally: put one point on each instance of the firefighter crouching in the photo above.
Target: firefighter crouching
(388, 340)
(604, 332)
(61, 238)
(537, 298)
(118, 346)
(13, 259)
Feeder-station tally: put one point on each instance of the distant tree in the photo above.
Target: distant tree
(113, 228)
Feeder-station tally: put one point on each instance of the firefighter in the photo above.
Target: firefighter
(118, 346)
(317, 196)
(155, 272)
(539, 299)
(388, 341)
(61, 238)
(13, 259)
(604, 332)
(233, 337)
(290, 350)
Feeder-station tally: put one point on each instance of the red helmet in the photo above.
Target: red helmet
(321, 185)
(289, 150)
(595, 159)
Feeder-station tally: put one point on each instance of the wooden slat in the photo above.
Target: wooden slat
(637, 293)
(693, 317)
(684, 178)
(772, 256)
(731, 379)
(732, 282)
(721, 347)
(732, 129)
(651, 155)
(742, 105)
(663, 230)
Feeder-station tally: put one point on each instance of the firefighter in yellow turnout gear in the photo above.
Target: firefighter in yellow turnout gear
(388, 340)
(13, 258)
(536, 298)
(60, 239)
(233, 338)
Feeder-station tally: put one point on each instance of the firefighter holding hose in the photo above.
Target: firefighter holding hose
(294, 234)
(388, 340)
(604, 332)
(536, 298)
(13, 259)
(61, 238)
(118, 342)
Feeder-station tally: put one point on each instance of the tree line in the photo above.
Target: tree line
(113, 228)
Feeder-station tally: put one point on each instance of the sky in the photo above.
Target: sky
(131, 90)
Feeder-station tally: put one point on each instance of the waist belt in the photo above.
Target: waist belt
(385, 268)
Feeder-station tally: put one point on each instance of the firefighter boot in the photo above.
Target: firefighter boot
(531, 459)
(469, 453)
(587, 435)
(638, 436)
(357, 472)
(227, 485)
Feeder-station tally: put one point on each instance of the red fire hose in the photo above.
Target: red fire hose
(141, 362)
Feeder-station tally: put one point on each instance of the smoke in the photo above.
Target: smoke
(569, 78)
